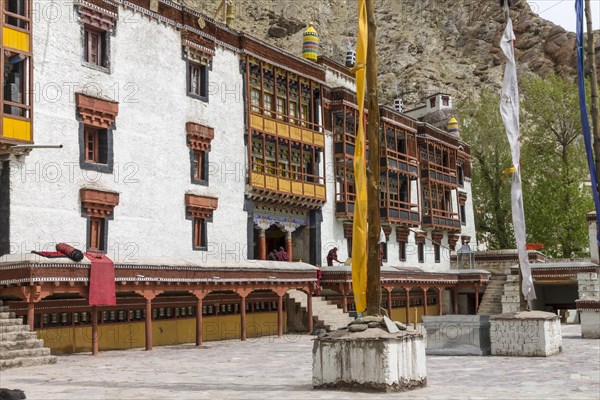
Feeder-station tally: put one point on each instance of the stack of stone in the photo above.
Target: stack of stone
(525, 334)
(18, 346)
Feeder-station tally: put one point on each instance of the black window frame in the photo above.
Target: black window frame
(421, 252)
(203, 75)
(103, 245)
(463, 214)
(402, 250)
(437, 253)
(204, 177)
(104, 48)
(204, 238)
(107, 167)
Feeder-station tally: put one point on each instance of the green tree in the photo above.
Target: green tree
(483, 129)
(554, 166)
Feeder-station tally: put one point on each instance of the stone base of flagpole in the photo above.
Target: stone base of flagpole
(525, 334)
(371, 360)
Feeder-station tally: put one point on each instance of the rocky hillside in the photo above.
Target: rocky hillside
(424, 46)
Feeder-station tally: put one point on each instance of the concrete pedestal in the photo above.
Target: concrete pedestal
(589, 315)
(525, 334)
(372, 360)
(458, 335)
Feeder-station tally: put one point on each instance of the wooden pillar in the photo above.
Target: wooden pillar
(288, 244)
(199, 321)
(389, 302)
(407, 290)
(149, 323)
(476, 298)
(262, 245)
(455, 296)
(280, 315)
(31, 315)
(440, 300)
(309, 311)
(94, 330)
(425, 300)
(243, 318)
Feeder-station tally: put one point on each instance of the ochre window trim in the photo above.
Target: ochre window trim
(199, 136)
(96, 112)
(98, 203)
(200, 206)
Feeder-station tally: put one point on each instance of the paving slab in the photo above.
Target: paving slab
(280, 368)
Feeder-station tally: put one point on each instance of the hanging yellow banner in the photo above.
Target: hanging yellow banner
(359, 229)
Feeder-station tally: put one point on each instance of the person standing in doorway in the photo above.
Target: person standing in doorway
(281, 255)
(332, 256)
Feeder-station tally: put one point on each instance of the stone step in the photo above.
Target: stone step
(13, 328)
(22, 353)
(26, 362)
(4, 309)
(7, 314)
(11, 321)
(17, 336)
(21, 344)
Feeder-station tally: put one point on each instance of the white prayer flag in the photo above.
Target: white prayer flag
(509, 109)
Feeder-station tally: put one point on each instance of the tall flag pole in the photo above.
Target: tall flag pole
(359, 229)
(509, 109)
(585, 124)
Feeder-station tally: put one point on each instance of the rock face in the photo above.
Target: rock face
(424, 46)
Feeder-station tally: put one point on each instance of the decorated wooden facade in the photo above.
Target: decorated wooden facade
(16, 64)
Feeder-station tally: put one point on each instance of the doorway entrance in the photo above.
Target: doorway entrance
(275, 238)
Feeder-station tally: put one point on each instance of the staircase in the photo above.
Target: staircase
(325, 315)
(491, 304)
(18, 346)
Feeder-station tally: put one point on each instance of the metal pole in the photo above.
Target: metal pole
(593, 76)
(373, 261)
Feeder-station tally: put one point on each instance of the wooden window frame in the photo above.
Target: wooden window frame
(94, 135)
(97, 234)
(437, 253)
(421, 252)
(463, 214)
(199, 166)
(200, 91)
(102, 45)
(199, 233)
(402, 250)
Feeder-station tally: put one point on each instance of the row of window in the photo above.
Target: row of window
(96, 45)
(402, 251)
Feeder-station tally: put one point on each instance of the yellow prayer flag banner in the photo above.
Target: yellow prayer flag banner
(359, 228)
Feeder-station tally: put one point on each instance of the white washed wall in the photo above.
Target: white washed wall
(152, 163)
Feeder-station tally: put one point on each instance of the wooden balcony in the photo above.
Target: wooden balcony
(391, 211)
(439, 174)
(399, 162)
(284, 129)
(279, 190)
(440, 219)
(16, 44)
(398, 212)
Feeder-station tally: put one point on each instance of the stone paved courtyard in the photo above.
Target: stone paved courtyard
(280, 368)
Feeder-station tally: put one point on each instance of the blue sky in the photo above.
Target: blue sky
(562, 12)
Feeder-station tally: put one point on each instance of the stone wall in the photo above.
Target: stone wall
(458, 335)
(511, 297)
(588, 284)
(525, 334)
